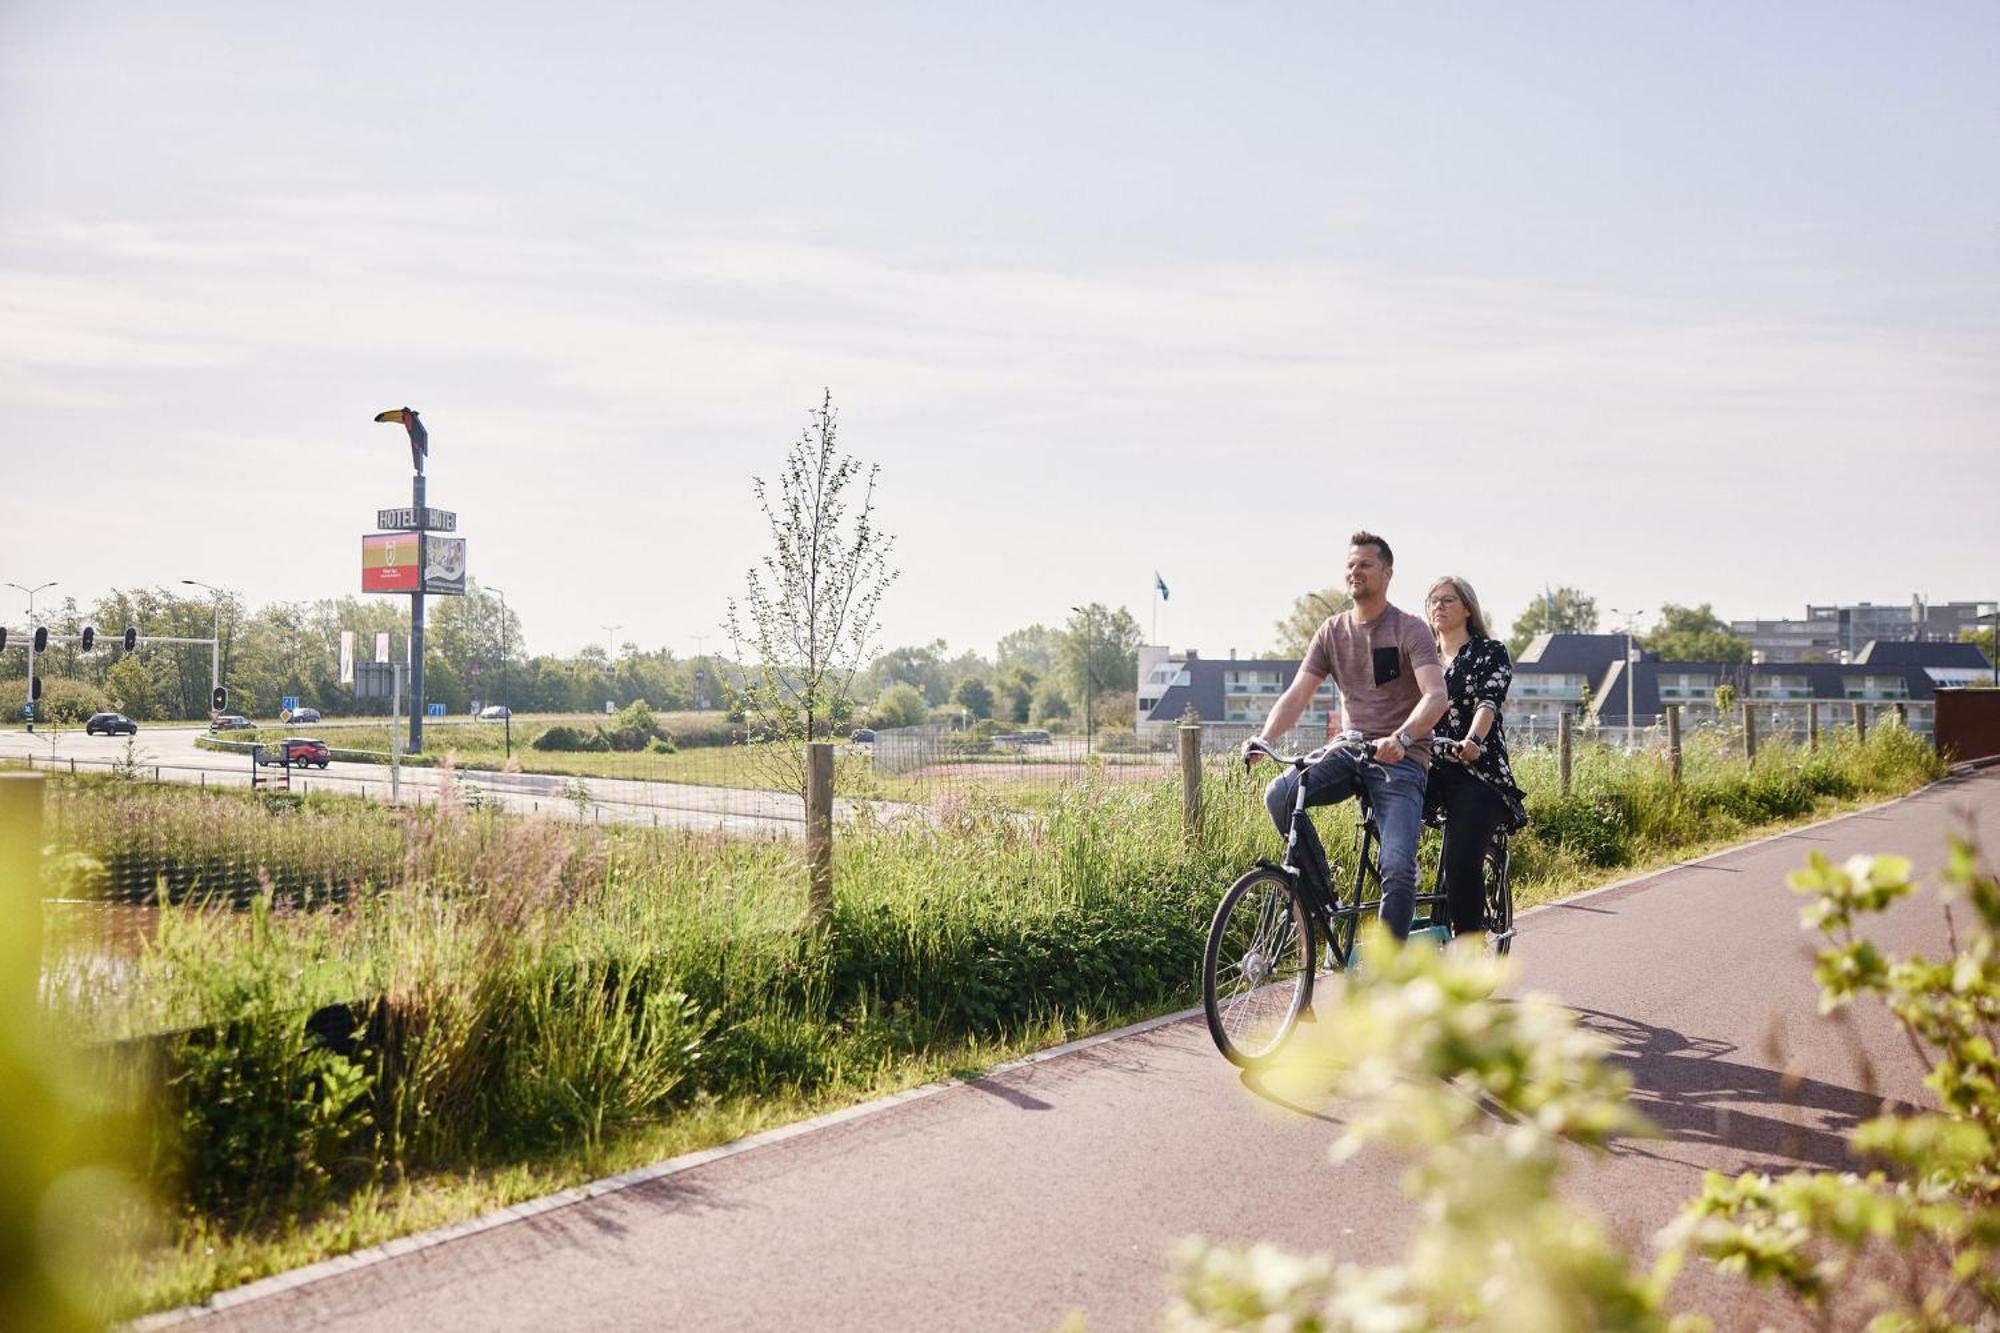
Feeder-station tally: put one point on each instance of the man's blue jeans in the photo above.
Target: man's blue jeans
(1396, 793)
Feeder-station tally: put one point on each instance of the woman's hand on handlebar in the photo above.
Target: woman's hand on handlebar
(1251, 752)
(1465, 751)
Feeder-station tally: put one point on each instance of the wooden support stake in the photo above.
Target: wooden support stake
(1674, 742)
(819, 831)
(1749, 733)
(1902, 712)
(1861, 722)
(1563, 728)
(1190, 747)
(1812, 725)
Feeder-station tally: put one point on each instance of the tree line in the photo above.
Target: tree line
(1037, 675)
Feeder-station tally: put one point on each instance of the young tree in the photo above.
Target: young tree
(1695, 634)
(1014, 693)
(900, 706)
(809, 613)
(1564, 611)
(1308, 613)
(1099, 651)
(975, 696)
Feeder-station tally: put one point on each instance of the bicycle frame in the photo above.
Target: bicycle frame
(1366, 839)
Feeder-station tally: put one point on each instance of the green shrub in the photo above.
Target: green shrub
(571, 740)
(662, 745)
(1119, 740)
(66, 701)
(1591, 829)
(255, 1110)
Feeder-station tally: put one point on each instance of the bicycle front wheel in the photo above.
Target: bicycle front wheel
(1257, 972)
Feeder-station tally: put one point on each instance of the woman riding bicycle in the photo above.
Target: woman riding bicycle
(1477, 796)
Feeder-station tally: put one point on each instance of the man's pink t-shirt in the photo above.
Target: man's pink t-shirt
(1374, 665)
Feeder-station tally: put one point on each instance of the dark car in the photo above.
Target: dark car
(231, 722)
(296, 750)
(110, 724)
(305, 715)
(863, 736)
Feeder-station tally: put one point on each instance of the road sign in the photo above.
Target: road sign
(406, 520)
(290, 704)
(434, 710)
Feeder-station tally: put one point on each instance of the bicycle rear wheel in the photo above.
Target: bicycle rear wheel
(1257, 971)
(1499, 898)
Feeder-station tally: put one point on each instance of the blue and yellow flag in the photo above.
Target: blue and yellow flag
(1160, 584)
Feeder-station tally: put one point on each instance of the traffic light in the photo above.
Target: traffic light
(131, 638)
(41, 638)
(220, 699)
(34, 688)
(89, 638)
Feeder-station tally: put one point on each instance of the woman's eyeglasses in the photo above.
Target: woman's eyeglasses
(1442, 599)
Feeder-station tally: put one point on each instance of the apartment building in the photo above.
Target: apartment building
(1839, 632)
(1220, 689)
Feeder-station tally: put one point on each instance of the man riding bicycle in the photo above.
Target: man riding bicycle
(1385, 664)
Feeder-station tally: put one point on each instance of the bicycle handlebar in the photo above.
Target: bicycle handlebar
(1347, 740)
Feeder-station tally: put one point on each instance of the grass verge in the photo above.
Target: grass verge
(547, 1002)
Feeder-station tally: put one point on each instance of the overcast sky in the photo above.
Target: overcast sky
(1668, 302)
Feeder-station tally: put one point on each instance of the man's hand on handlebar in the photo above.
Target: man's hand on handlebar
(1252, 751)
(1389, 750)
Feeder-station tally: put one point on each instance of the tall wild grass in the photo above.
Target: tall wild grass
(446, 987)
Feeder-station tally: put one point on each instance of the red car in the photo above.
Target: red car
(298, 751)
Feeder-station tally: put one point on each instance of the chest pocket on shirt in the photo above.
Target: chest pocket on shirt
(1388, 665)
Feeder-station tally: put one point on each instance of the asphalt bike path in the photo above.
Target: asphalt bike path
(1060, 1183)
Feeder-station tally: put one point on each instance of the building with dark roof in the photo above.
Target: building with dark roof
(1229, 689)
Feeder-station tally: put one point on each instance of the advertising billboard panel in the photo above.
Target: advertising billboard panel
(390, 562)
(444, 565)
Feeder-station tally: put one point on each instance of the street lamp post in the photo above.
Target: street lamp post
(214, 643)
(1629, 617)
(508, 717)
(29, 712)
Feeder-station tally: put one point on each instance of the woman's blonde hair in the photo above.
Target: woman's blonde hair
(1475, 619)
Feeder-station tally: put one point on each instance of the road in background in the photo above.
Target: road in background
(1060, 1184)
(171, 753)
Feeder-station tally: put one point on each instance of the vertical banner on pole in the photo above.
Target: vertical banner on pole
(347, 657)
(381, 647)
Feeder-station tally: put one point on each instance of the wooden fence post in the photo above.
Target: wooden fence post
(21, 892)
(819, 831)
(1674, 742)
(1190, 745)
(1749, 733)
(1812, 725)
(1563, 727)
(1861, 722)
(1902, 712)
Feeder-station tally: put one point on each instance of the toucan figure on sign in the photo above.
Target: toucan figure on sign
(420, 439)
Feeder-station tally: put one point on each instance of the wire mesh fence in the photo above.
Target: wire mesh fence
(1791, 720)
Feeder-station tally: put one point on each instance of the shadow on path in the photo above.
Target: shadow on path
(1696, 1094)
